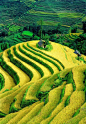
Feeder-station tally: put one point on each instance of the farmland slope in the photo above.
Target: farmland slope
(46, 87)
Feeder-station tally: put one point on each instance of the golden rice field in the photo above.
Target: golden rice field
(42, 87)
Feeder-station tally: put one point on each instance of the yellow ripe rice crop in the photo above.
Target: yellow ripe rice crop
(78, 76)
(47, 85)
(83, 121)
(58, 98)
(22, 113)
(80, 116)
(7, 100)
(8, 93)
(57, 52)
(8, 80)
(54, 97)
(45, 70)
(40, 58)
(67, 55)
(46, 56)
(31, 93)
(68, 91)
(76, 100)
(31, 114)
(1, 119)
(64, 72)
(7, 118)
(35, 72)
(19, 98)
(22, 76)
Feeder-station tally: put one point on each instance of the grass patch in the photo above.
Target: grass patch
(67, 101)
(14, 28)
(12, 108)
(81, 59)
(28, 33)
(2, 81)
(2, 115)
(69, 78)
(43, 96)
(62, 94)
(70, 15)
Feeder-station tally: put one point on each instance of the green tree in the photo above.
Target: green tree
(74, 29)
(46, 38)
(84, 24)
(40, 31)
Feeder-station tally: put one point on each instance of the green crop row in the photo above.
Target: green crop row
(24, 102)
(85, 84)
(43, 96)
(12, 108)
(69, 78)
(20, 65)
(9, 70)
(58, 81)
(29, 62)
(62, 94)
(17, 40)
(77, 112)
(46, 55)
(2, 115)
(2, 81)
(67, 101)
(40, 94)
(37, 60)
(42, 57)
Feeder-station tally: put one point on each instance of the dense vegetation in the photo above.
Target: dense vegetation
(57, 27)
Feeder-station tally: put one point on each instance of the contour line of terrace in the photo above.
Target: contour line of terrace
(22, 76)
(45, 70)
(42, 59)
(40, 54)
(55, 52)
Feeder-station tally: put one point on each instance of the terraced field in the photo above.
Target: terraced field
(42, 87)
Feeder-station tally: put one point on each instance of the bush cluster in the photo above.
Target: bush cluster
(12, 107)
(20, 65)
(29, 62)
(69, 78)
(2, 115)
(40, 94)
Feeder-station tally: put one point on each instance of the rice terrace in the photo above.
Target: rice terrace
(42, 87)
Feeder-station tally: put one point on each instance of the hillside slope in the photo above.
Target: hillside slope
(25, 12)
(46, 87)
